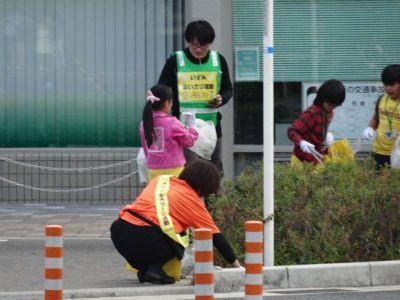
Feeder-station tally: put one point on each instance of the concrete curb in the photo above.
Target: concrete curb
(316, 276)
(361, 274)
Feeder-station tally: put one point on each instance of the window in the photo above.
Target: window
(287, 107)
(248, 112)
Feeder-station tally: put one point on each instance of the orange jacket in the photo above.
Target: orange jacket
(185, 207)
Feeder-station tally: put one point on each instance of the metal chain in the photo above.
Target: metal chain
(67, 190)
(121, 163)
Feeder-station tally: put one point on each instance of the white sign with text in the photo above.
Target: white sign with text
(353, 115)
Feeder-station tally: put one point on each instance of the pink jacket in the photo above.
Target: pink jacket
(171, 137)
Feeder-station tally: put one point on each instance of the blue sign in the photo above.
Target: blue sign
(247, 64)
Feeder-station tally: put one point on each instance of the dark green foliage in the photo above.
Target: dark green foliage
(341, 213)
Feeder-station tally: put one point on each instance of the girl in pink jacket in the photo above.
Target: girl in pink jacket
(163, 136)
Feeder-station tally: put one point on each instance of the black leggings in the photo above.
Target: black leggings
(380, 160)
(141, 246)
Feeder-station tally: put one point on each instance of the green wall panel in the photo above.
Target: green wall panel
(248, 26)
(75, 73)
(344, 39)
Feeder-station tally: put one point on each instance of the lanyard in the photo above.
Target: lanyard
(390, 118)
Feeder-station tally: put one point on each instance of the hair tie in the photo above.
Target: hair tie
(151, 97)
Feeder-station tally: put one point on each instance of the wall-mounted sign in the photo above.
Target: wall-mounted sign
(247, 64)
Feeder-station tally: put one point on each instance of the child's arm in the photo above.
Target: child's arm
(373, 123)
(185, 137)
(301, 127)
(369, 132)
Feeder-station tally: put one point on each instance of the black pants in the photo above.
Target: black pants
(380, 160)
(141, 246)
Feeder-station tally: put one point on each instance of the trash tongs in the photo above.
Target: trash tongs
(318, 156)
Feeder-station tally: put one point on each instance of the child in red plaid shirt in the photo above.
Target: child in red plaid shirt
(309, 131)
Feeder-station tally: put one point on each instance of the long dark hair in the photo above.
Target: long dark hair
(331, 91)
(163, 93)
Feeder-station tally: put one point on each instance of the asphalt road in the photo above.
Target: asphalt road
(88, 263)
(94, 263)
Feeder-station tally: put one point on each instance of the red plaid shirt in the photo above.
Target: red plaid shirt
(311, 126)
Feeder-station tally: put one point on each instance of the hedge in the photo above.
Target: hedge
(342, 213)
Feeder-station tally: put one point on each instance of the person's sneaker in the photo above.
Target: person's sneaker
(156, 275)
(140, 276)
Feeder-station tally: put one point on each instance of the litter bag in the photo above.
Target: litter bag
(395, 156)
(205, 144)
(171, 268)
(295, 162)
(142, 166)
(340, 152)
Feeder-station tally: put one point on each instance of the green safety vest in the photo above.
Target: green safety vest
(198, 84)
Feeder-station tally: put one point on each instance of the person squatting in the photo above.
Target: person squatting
(152, 231)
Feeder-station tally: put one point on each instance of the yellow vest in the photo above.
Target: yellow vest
(389, 125)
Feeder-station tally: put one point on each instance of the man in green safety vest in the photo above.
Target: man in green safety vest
(200, 82)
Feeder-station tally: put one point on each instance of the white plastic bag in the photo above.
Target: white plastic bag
(205, 144)
(395, 156)
(355, 145)
(142, 166)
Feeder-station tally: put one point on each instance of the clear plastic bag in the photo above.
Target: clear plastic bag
(355, 145)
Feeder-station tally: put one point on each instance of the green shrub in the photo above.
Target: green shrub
(342, 213)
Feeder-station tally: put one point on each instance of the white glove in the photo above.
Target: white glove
(369, 133)
(190, 119)
(330, 139)
(309, 148)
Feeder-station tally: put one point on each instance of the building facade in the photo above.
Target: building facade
(73, 77)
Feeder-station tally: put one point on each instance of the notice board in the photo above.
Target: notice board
(354, 114)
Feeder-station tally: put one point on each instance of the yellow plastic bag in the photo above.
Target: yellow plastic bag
(171, 268)
(340, 152)
(295, 162)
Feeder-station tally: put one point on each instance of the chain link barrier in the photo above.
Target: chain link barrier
(22, 164)
(67, 190)
(83, 189)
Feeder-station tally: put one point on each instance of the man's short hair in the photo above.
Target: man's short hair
(200, 30)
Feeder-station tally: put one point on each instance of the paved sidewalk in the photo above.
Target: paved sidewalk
(27, 221)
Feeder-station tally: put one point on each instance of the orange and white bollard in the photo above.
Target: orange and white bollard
(254, 260)
(203, 265)
(53, 273)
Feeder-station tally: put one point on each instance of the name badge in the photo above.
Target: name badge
(389, 135)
